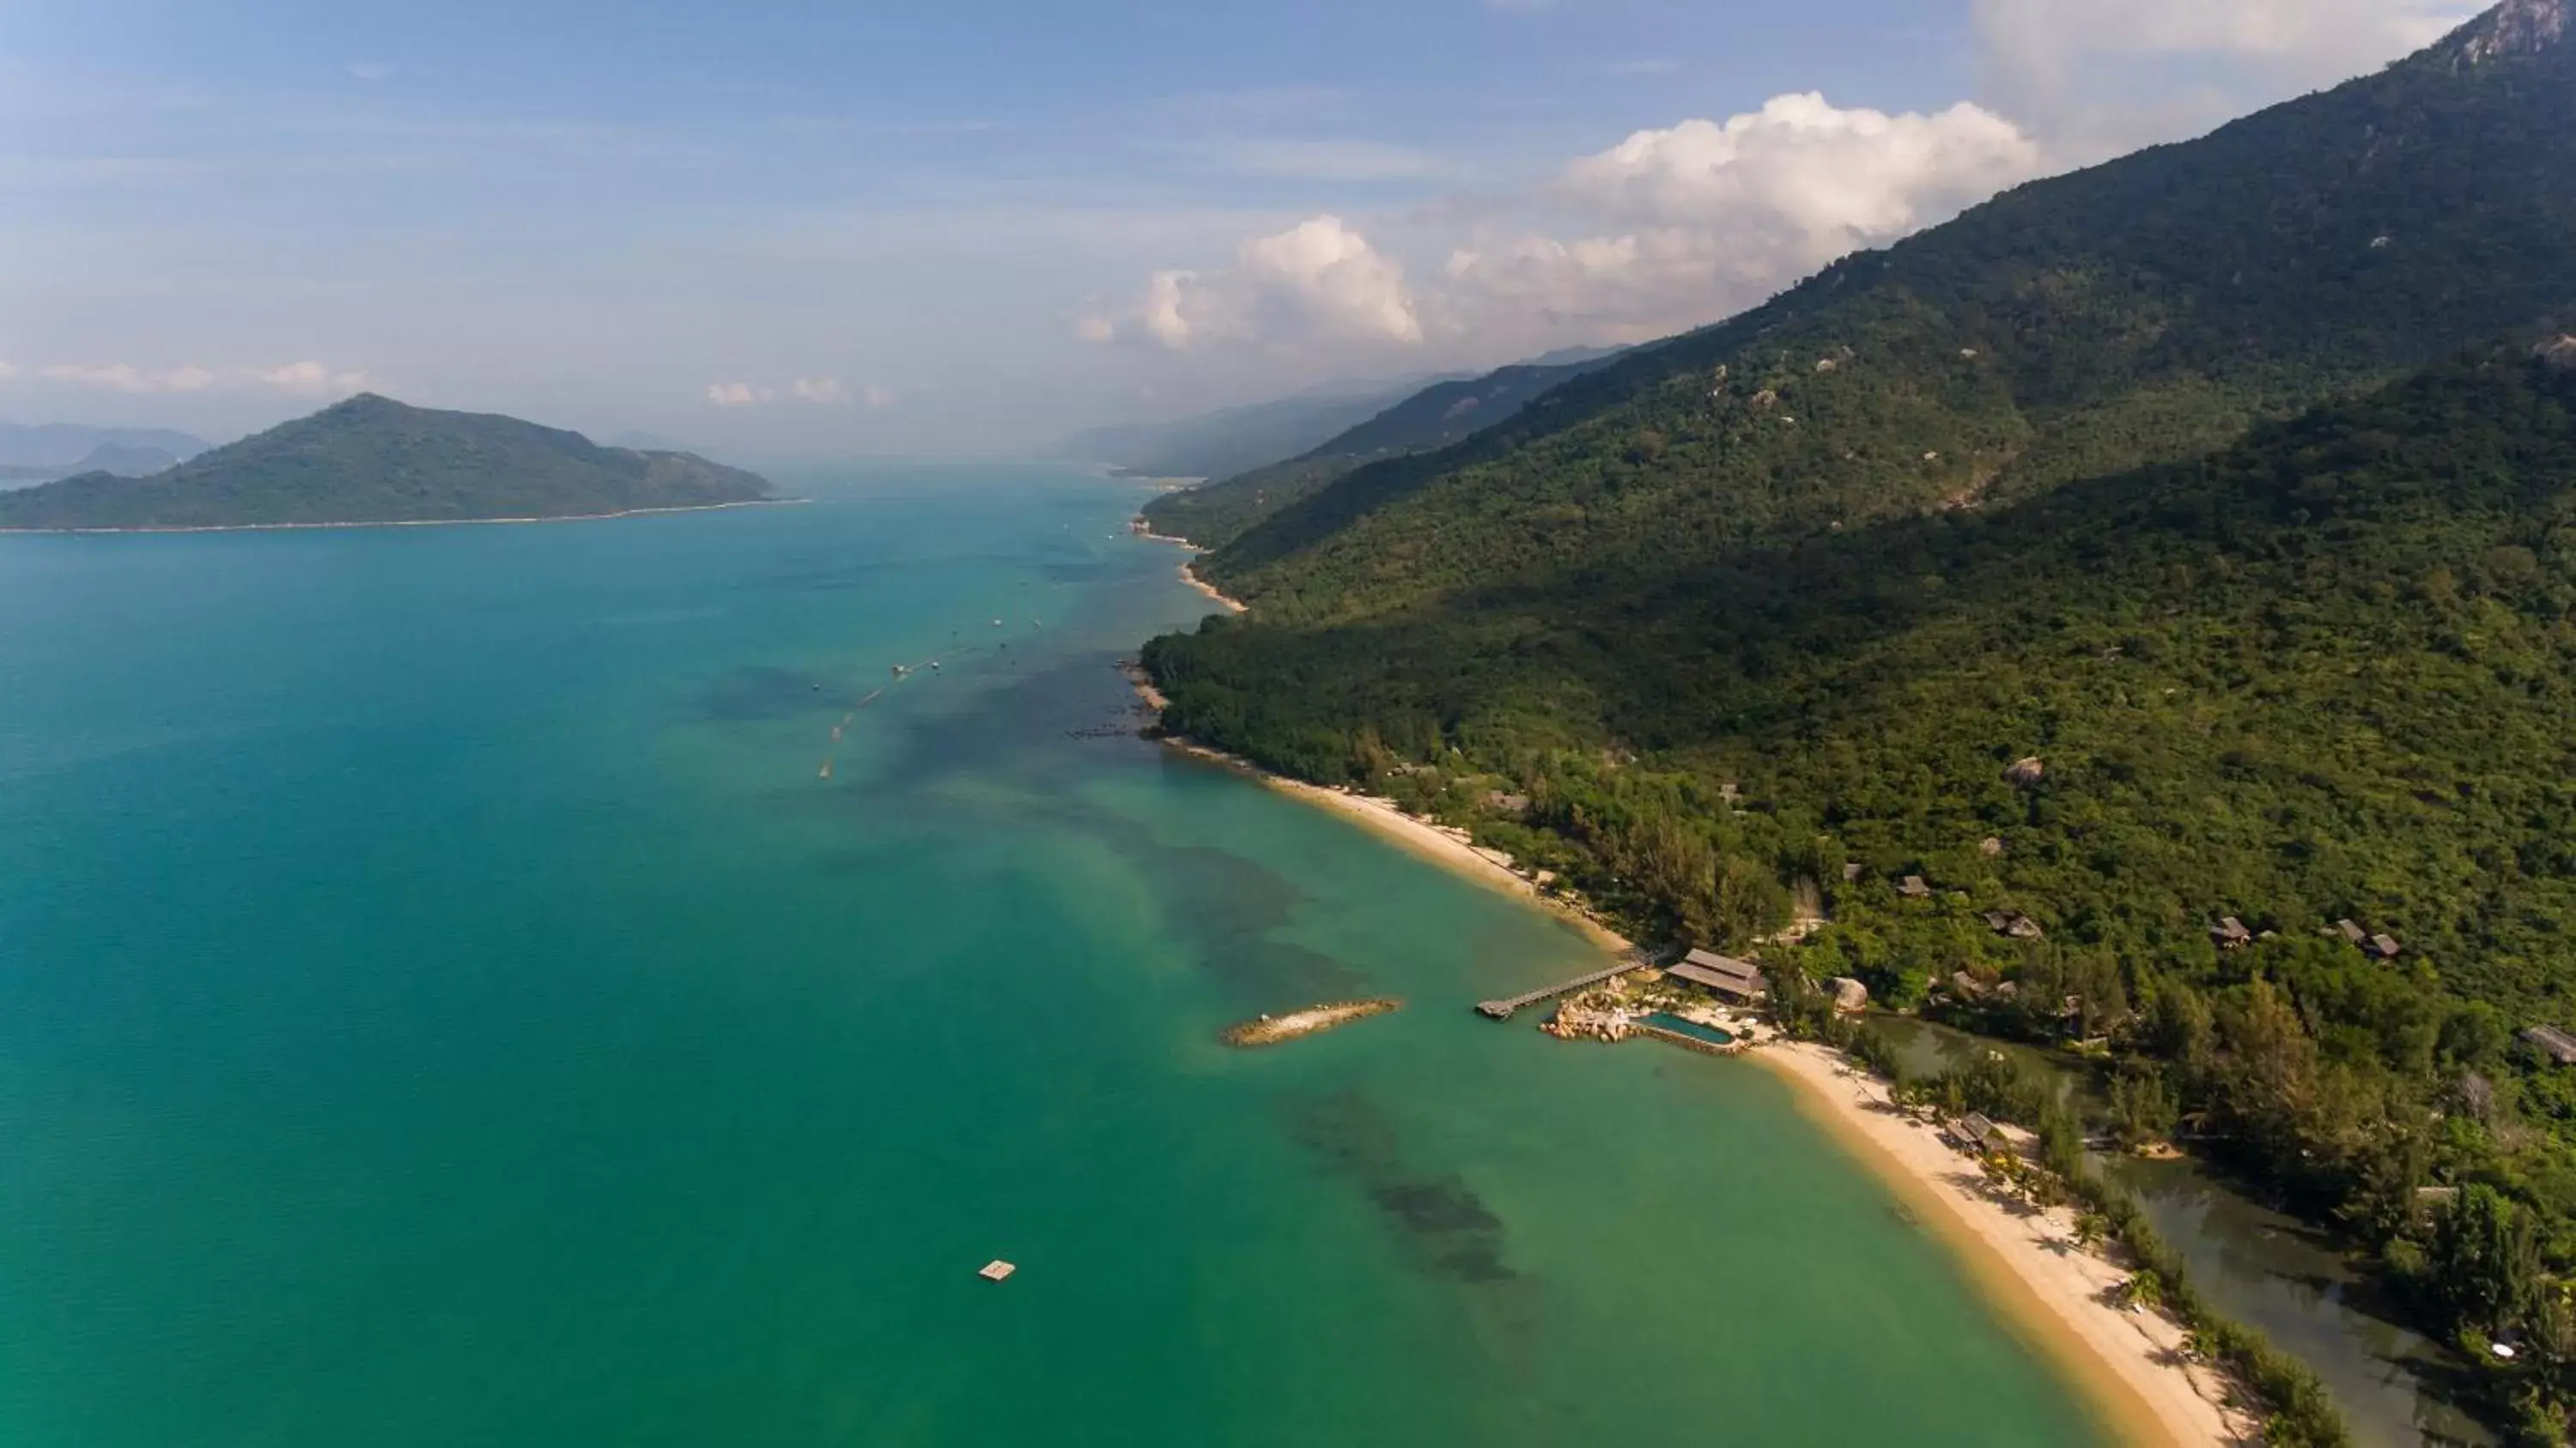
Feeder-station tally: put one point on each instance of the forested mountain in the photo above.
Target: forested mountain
(373, 460)
(123, 459)
(126, 460)
(2143, 310)
(65, 445)
(2159, 546)
(1238, 439)
(1216, 513)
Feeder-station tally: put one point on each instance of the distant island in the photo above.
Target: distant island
(374, 460)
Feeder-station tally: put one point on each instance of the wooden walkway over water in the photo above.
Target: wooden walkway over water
(1501, 1010)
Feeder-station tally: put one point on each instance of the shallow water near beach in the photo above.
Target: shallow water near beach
(442, 1001)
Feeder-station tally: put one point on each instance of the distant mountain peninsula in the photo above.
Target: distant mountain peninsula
(374, 460)
(64, 446)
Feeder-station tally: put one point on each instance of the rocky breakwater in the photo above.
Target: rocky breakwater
(1271, 1030)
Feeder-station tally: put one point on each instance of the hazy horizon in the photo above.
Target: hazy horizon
(794, 232)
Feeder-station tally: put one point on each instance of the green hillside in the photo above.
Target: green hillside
(1445, 412)
(374, 460)
(2140, 311)
(2328, 674)
(2354, 634)
(2152, 547)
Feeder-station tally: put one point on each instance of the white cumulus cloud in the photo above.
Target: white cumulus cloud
(126, 377)
(302, 379)
(736, 394)
(1668, 229)
(311, 379)
(1683, 225)
(1806, 168)
(2098, 77)
(818, 389)
(1318, 280)
(1703, 218)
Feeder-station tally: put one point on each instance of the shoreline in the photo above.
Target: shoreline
(1189, 570)
(2127, 1365)
(398, 522)
(1418, 837)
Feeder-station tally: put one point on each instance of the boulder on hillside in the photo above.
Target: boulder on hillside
(2560, 353)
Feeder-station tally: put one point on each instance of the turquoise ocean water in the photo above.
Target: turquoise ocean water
(442, 1004)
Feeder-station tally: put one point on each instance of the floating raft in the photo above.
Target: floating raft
(996, 1270)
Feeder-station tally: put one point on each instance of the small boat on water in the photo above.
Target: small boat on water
(996, 1270)
(827, 770)
(901, 670)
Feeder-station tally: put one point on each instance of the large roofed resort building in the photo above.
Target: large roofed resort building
(1739, 980)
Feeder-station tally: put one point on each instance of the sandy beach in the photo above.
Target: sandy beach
(2129, 1363)
(1189, 574)
(1491, 868)
(1433, 842)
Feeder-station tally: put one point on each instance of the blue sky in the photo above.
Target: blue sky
(974, 226)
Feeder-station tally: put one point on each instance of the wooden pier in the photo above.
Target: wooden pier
(1501, 1010)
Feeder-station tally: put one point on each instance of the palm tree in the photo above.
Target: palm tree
(2142, 1291)
(2090, 1227)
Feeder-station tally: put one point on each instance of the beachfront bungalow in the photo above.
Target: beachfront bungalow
(2384, 946)
(2352, 933)
(1722, 975)
(2230, 933)
(1915, 887)
(2553, 1043)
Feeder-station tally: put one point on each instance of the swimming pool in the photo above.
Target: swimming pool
(1667, 1021)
